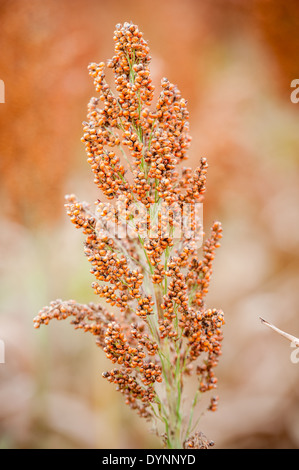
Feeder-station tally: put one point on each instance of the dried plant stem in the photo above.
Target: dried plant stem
(291, 338)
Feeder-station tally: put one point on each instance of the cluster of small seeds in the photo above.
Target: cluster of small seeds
(159, 274)
(195, 186)
(91, 318)
(200, 271)
(132, 359)
(137, 265)
(78, 213)
(144, 339)
(145, 306)
(138, 397)
(155, 247)
(213, 403)
(204, 337)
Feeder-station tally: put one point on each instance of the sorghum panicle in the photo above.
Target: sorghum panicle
(158, 283)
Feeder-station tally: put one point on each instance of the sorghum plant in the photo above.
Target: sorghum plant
(145, 246)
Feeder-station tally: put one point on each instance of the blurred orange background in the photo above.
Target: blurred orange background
(234, 62)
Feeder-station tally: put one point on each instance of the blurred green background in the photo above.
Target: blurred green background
(234, 62)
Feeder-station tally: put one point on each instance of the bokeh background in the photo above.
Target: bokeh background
(234, 61)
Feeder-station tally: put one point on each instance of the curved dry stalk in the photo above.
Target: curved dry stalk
(291, 338)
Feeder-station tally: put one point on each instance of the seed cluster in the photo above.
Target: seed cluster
(198, 441)
(131, 357)
(92, 318)
(200, 270)
(156, 280)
